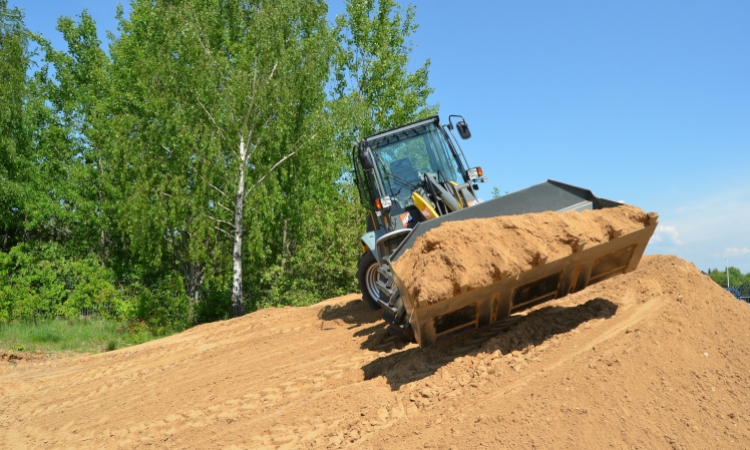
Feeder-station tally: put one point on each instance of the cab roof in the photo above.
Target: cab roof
(400, 132)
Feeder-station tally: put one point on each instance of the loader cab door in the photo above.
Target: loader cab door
(368, 190)
(366, 185)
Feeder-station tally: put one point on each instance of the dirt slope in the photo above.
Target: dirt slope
(654, 359)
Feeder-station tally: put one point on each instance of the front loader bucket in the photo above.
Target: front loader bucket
(552, 280)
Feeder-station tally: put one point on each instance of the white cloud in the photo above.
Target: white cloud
(721, 216)
(711, 227)
(667, 232)
(735, 252)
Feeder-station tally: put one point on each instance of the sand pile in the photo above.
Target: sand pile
(658, 358)
(440, 264)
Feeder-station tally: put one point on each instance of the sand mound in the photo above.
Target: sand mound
(657, 358)
(440, 265)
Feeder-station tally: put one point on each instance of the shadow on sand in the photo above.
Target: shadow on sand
(515, 333)
(354, 312)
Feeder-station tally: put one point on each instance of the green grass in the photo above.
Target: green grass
(83, 336)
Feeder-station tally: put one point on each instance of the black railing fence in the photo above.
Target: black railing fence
(741, 291)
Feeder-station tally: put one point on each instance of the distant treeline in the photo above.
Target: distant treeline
(201, 164)
(736, 277)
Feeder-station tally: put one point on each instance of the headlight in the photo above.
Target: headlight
(383, 203)
(474, 172)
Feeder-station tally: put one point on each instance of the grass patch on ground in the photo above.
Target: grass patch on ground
(81, 335)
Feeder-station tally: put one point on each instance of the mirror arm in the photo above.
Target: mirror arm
(463, 128)
(451, 135)
(450, 120)
(366, 158)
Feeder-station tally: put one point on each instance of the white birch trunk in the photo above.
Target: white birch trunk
(238, 306)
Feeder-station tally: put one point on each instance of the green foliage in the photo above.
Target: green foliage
(119, 172)
(78, 335)
(371, 65)
(371, 89)
(236, 72)
(163, 307)
(77, 97)
(736, 277)
(214, 304)
(17, 149)
(40, 282)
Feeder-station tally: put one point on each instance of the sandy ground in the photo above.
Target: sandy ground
(657, 358)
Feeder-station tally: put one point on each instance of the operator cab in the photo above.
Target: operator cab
(413, 173)
(403, 160)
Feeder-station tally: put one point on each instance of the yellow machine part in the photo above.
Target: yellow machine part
(463, 202)
(459, 198)
(424, 206)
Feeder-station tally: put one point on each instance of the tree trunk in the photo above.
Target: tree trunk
(238, 306)
(193, 281)
(100, 207)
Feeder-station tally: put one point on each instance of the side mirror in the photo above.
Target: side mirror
(365, 158)
(463, 130)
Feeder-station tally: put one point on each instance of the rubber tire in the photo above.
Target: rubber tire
(366, 261)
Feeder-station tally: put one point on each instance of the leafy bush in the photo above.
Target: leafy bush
(41, 282)
(214, 304)
(161, 308)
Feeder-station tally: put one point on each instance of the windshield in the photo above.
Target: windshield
(403, 160)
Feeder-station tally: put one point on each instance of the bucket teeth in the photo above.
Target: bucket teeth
(578, 245)
(539, 259)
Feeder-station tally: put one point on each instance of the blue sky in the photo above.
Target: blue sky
(641, 101)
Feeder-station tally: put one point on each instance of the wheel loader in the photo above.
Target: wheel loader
(416, 177)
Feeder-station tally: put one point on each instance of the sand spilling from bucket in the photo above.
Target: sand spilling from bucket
(466, 255)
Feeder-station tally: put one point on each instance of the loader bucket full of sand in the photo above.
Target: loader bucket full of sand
(481, 264)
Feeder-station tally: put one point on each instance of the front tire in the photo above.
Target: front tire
(367, 277)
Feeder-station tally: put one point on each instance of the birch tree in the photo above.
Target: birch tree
(371, 88)
(214, 99)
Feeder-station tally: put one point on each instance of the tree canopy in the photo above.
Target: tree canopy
(203, 162)
(736, 277)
